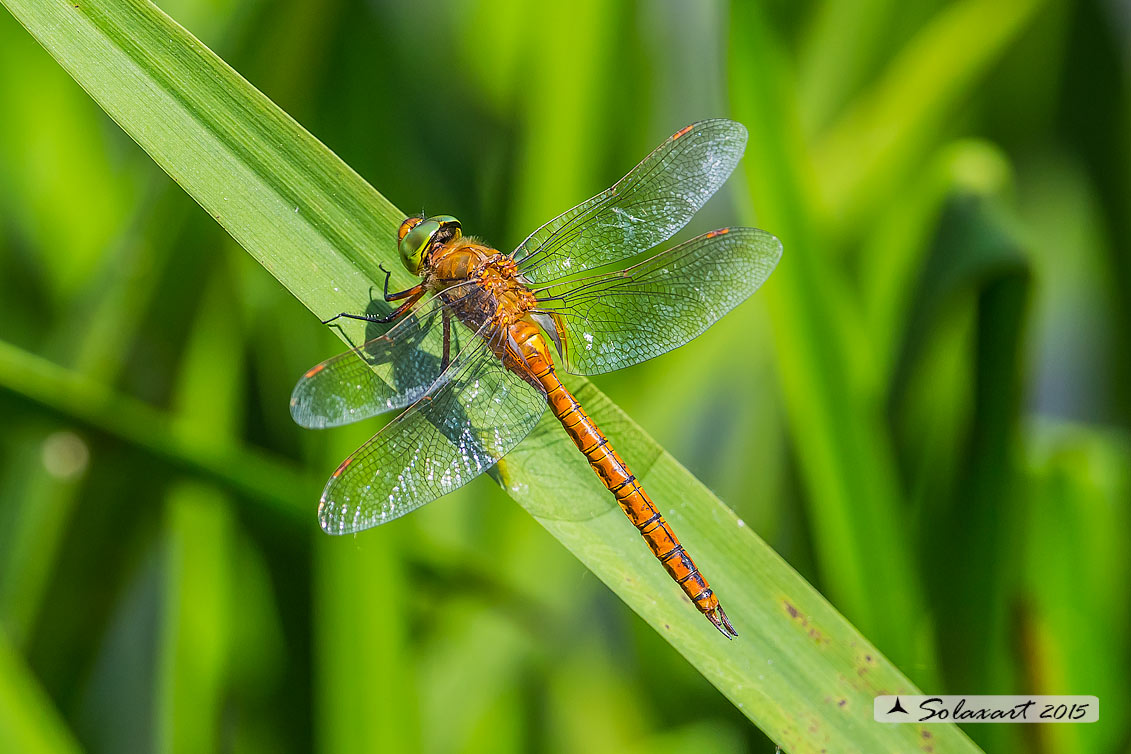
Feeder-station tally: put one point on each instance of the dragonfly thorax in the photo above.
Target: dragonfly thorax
(481, 284)
(498, 277)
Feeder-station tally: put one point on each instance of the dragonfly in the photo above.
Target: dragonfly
(472, 357)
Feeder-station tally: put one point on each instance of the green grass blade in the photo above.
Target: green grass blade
(29, 721)
(195, 649)
(361, 650)
(896, 249)
(298, 209)
(44, 471)
(845, 455)
(800, 671)
(258, 475)
(1079, 480)
(880, 139)
(977, 276)
(841, 45)
(196, 622)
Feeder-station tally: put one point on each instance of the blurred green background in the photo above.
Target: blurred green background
(945, 344)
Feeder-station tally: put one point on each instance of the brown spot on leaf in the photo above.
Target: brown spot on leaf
(798, 616)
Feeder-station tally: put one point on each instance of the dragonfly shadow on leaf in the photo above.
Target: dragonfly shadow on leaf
(420, 356)
(423, 356)
(375, 308)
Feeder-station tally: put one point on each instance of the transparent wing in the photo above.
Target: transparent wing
(479, 412)
(384, 374)
(611, 321)
(647, 206)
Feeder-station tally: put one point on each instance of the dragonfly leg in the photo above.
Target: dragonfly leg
(399, 295)
(393, 315)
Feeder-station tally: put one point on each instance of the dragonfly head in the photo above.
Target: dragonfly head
(418, 236)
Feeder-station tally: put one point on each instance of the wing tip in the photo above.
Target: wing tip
(298, 405)
(302, 415)
(761, 244)
(328, 516)
(774, 242)
(770, 245)
(739, 130)
(736, 131)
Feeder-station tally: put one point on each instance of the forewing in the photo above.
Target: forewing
(386, 373)
(622, 318)
(475, 417)
(644, 208)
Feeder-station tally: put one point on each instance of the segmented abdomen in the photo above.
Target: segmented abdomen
(633, 500)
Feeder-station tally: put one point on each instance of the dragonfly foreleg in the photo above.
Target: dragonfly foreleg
(395, 296)
(395, 314)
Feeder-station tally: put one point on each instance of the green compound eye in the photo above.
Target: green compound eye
(448, 225)
(422, 236)
(415, 243)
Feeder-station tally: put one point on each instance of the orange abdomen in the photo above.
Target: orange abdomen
(633, 500)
